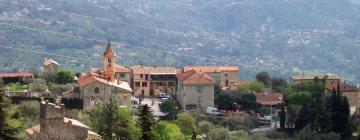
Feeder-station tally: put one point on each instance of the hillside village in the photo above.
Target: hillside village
(193, 99)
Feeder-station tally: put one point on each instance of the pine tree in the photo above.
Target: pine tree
(146, 121)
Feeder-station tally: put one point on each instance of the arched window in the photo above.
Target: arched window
(96, 90)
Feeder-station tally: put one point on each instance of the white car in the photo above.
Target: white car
(164, 95)
(212, 111)
(164, 99)
(134, 100)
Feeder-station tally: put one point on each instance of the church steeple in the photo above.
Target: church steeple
(109, 63)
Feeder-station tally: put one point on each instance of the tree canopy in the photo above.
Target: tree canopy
(113, 122)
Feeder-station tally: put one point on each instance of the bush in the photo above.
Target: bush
(58, 88)
(308, 134)
(170, 106)
(219, 134)
(30, 111)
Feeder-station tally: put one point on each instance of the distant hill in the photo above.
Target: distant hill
(282, 36)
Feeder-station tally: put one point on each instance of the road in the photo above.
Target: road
(154, 106)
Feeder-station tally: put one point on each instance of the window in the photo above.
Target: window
(109, 62)
(141, 76)
(96, 90)
(122, 75)
(137, 84)
(144, 84)
(226, 74)
(146, 77)
(227, 83)
(199, 88)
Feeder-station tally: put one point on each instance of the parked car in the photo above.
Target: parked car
(164, 99)
(134, 100)
(212, 111)
(164, 95)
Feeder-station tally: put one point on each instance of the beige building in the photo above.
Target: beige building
(224, 76)
(195, 90)
(302, 79)
(54, 126)
(100, 87)
(50, 67)
(151, 81)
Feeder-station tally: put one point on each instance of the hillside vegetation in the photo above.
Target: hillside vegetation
(282, 36)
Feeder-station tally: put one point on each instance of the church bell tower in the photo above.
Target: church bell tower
(109, 63)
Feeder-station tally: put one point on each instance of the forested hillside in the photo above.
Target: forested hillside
(282, 36)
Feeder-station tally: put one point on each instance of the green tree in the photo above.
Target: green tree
(247, 101)
(205, 127)
(38, 85)
(254, 86)
(340, 114)
(299, 98)
(219, 134)
(11, 128)
(186, 123)
(264, 77)
(170, 106)
(113, 122)
(64, 77)
(167, 131)
(146, 122)
(278, 84)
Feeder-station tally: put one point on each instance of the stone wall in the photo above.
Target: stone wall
(54, 127)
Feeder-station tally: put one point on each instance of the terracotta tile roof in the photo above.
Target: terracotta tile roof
(75, 122)
(153, 70)
(333, 77)
(92, 77)
(212, 68)
(33, 130)
(119, 68)
(193, 77)
(16, 74)
(48, 61)
(269, 98)
(353, 97)
(343, 86)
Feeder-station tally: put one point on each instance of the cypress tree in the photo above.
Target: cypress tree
(146, 122)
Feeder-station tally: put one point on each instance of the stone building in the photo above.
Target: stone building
(54, 126)
(100, 87)
(151, 81)
(195, 90)
(50, 67)
(225, 76)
